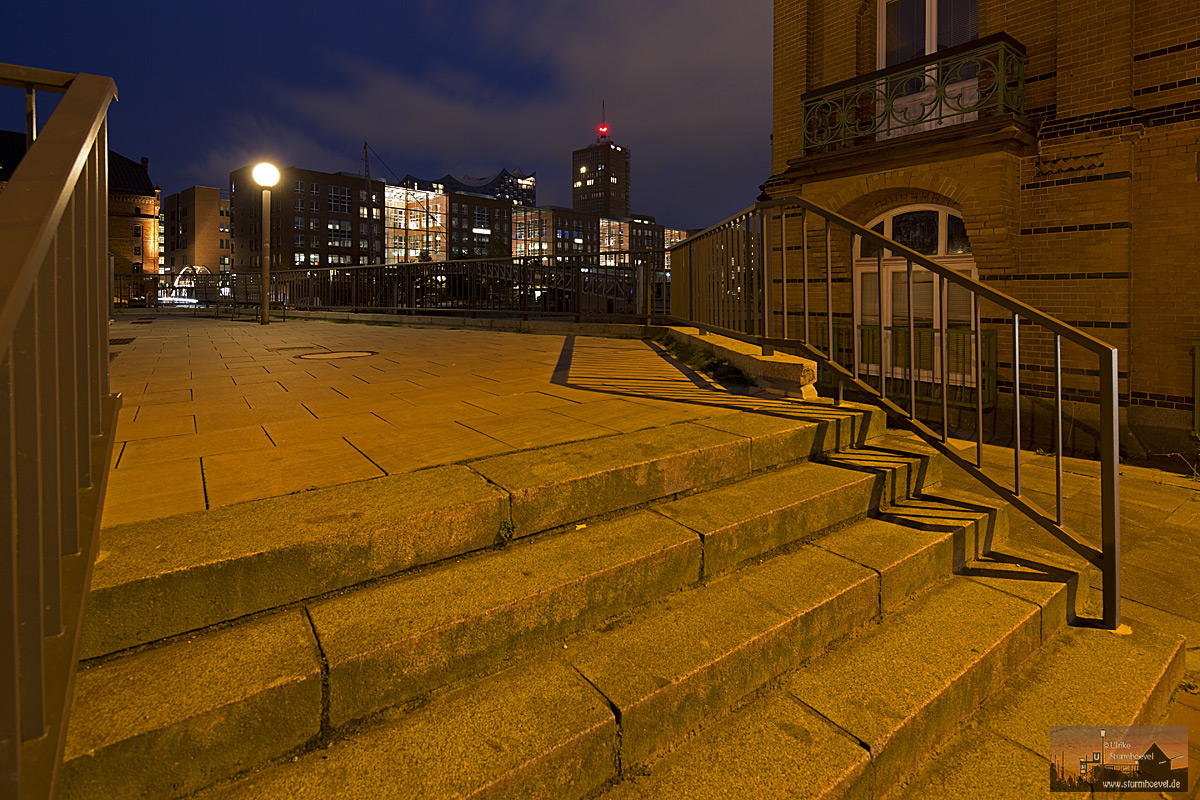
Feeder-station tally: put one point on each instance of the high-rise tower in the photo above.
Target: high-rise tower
(600, 177)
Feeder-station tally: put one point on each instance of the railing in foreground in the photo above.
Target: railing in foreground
(740, 276)
(57, 414)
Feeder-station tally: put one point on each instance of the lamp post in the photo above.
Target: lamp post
(266, 176)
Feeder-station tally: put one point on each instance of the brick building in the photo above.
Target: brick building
(600, 175)
(196, 231)
(323, 219)
(1050, 148)
(133, 207)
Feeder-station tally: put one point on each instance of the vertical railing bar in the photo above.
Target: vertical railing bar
(78, 287)
(766, 255)
(1058, 424)
(879, 284)
(945, 312)
(829, 301)
(804, 269)
(1110, 489)
(976, 322)
(10, 694)
(1016, 403)
(783, 270)
(912, 345)
(30, 575)
(30, 116)
(47, 419)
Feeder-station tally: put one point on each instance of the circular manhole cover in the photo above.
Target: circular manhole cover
(334, 354)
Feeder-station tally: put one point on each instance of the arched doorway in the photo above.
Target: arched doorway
(938, 232)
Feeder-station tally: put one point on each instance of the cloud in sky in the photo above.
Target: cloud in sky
(435, 86)
(686, 83)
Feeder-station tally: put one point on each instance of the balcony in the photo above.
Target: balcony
(978, 80)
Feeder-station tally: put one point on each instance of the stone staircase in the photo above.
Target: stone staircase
(750, 605)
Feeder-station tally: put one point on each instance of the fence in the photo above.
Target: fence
(740, 278)
(57, 414)
(607, 284)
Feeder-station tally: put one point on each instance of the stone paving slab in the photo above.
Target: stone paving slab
(163, 577)
(536, 731)
(389, 643)
(186, 375)
(230, 699)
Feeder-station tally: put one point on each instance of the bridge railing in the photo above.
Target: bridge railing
(780, 274)
(631, 283)
(57, 417)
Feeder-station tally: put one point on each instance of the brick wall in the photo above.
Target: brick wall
(1097, 222)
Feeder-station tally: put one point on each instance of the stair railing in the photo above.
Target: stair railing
(57, 417)
(739, 278)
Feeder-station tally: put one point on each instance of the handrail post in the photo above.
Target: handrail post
(1110, 496)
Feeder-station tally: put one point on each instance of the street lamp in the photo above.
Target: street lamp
(266, 176)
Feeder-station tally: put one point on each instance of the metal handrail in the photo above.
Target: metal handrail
(731, 288)
(610, 283)
(56, 411)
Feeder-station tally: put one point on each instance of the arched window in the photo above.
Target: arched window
(934, 231)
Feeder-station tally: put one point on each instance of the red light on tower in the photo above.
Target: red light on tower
(603, 130)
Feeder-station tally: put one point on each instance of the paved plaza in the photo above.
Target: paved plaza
(217, 411)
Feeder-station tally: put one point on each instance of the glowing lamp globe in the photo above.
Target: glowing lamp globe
(265, 175)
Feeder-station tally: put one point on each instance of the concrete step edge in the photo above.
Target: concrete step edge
(1077, 664)
(232, 567)
(677, 565)
(822, 744)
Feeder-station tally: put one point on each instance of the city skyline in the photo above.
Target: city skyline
(507, 85)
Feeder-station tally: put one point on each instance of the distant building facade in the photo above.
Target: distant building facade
(196, 232)
(133, 207)
(600, 175)
(318, 219)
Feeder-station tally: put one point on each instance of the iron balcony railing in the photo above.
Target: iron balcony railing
(741, 278)
(961, 84)
(628, 283)
(57, 417)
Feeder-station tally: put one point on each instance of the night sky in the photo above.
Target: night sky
(434, 86)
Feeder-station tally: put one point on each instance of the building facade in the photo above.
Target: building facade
(133, 217)
(197, 236)
(600, 175)
(1050, 148)
(318, 219)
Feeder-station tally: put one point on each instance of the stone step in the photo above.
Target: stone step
(167, 577)
(658, 671)
(392, 642)
(853, 720)
(399, 641)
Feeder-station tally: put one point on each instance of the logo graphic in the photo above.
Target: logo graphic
(1121, 759)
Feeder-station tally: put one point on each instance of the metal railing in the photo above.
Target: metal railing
(740, 278)
(982, 78)
(960, 351)
(57, 414)
(606, 284)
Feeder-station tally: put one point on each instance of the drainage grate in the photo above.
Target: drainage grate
(335, 354)
(141, 322)
(122, 341)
